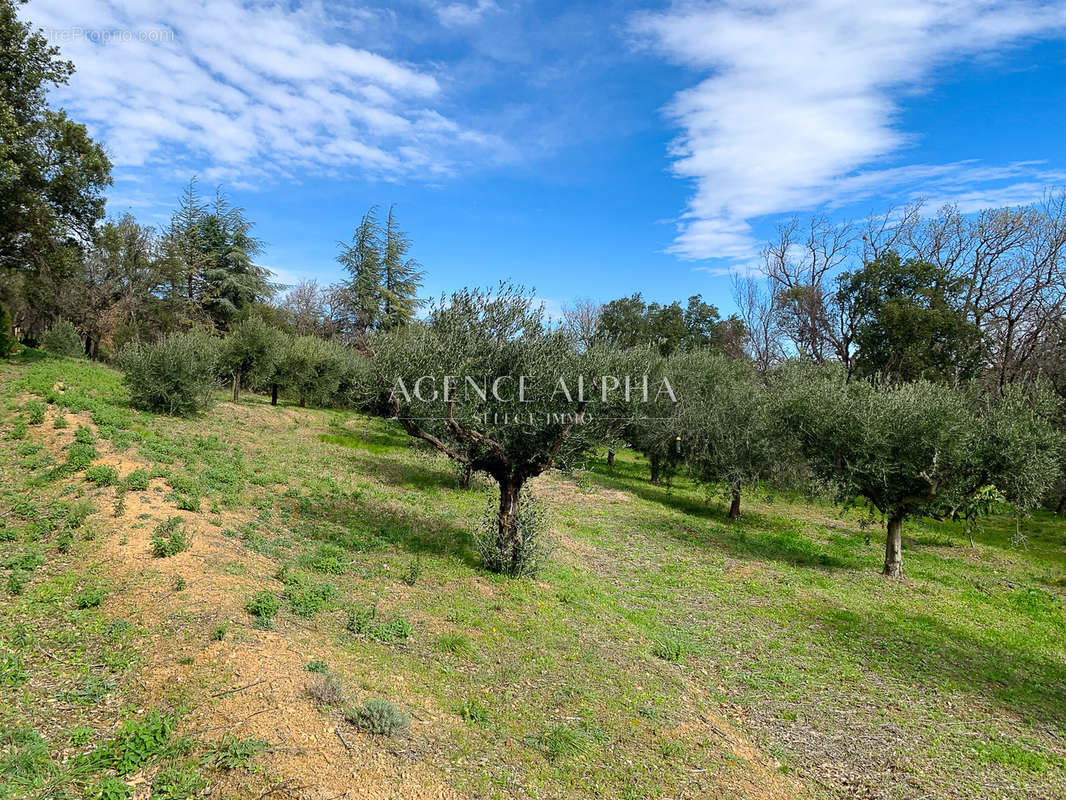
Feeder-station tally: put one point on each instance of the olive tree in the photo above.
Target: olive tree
(920, 449)
(730, 433)
(311, 369)
(487, 382)
(250, 354)
(176, 375)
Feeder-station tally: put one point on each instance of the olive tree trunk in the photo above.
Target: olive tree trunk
(734, 504)
(894, 547)
(273, 394)
(656, 469)
(508, 537)
(236, 386)
(610, 460)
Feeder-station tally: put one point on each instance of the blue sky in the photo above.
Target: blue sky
(584, 149)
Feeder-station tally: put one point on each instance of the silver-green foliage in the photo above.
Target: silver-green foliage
(176, 375)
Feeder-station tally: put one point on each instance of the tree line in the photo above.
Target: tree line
(914, 364)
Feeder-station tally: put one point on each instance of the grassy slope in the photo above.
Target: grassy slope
(656, 632)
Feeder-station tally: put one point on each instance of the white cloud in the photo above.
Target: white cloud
(247, 89)
(463, 15)
(802, 94)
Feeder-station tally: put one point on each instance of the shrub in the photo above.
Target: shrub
(63, 339)
(102, 475)
(329, 558)
(137, 481)
(173, 376)
(89, 598)
(311, 369)
(316, 666)
(170, 538)
(413, 573)
(326, 690)
(379, 717)
(306, 600)
(263, 605)
(137, 742)
(80, 455)
(525, 554)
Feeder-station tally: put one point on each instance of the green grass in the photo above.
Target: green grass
(604, 675)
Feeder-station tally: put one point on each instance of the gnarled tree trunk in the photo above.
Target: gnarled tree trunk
(734, 504)
(236, 386)
(508, 543)
(610, 460)
(656, 469)
(273, 394)
(894, 547)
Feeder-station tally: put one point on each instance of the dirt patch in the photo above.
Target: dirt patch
(253, 682)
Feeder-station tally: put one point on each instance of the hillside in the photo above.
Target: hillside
(662, 652)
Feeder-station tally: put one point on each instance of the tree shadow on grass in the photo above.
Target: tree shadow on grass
(925, 650)
(363, 527)
(754, 536)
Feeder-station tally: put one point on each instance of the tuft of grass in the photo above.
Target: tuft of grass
(12, 670)
(564, 741)
(379, 717)
(35, 411)
(218, 633)
(472, 711)
(175, 783)
(231, 752)
(363, 621)
(326, 689)
(170, 538)
(319, 667)
(670, 649)
(456, 643)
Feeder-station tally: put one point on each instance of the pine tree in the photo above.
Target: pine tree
(232, 280)
(402, 276)
(364, 262)
(184, 249)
